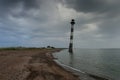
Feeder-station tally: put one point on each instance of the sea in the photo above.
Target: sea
(99, 62)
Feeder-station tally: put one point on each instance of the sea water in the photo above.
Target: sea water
(100, 62)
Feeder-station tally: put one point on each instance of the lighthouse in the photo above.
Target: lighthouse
(71, 36)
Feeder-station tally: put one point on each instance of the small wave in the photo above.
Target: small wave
(69, 67)
(82, 75)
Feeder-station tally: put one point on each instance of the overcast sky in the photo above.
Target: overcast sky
(38, 23)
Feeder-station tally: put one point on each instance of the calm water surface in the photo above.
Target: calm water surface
(102, 62)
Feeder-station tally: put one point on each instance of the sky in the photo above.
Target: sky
(39, 23)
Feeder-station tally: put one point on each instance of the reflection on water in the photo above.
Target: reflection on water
(96, 61)
(71, 59)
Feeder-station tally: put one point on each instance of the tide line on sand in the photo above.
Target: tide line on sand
(82, 75)
(69, 67)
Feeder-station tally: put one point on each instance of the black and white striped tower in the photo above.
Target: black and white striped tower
(71, 36)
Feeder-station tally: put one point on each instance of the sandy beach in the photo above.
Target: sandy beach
(33, 64)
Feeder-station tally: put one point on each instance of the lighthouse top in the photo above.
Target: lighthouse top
(72, 22)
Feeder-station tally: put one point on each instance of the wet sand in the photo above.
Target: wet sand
(36, 64)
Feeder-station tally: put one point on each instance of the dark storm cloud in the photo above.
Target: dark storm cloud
(13, 3)
(6, 6)
(110, 28)
(19, 19)
(105, 12)
(94, 6)
(41, 22)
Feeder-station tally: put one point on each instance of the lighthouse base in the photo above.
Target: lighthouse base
(71, 48)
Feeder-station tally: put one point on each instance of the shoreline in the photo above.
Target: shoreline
(37, 64)
(82, 75)
(32, 65)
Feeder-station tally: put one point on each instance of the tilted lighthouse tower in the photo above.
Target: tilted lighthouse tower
(71, 36)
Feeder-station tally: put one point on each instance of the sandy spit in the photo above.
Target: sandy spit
(35, 64)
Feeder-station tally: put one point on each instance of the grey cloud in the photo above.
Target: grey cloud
(12, 3)
(104, 12)
(39, 22)
(94, 6)
(110, 28)
(7, 6)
